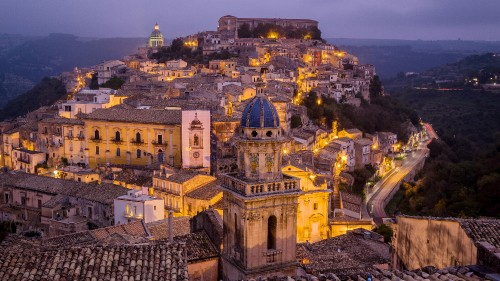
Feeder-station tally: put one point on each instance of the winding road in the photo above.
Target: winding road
(383, 188)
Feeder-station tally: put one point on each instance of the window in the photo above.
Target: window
(196, 140)
(23, 200)
(138, 137)
(154, 207)
(118, 152)
(89, 210)
(117, 136)
(236, 230)
(39, 203)
(139, 153)
(315, 206)
(271, 233)
(96, 134)
(6, 195)
(67, 108)
(269, 133)
(160, 139)
(96, 150)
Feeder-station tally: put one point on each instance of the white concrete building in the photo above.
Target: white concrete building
(108, 69)
(137, 206)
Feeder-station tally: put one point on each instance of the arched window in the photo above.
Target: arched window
(139, 153)
(236, 232)
(117, 136)
(271, 233)
(96, 134)
(138, 137)
(118, 151)
(196, 140)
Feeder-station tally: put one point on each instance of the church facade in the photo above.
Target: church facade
(260, 202)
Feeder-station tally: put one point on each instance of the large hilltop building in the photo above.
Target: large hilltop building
(230, 24)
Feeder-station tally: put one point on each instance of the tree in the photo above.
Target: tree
(94, 85)
(244, 31)
(385, 231)
(375, 87)
(114, 83)
(296, 121)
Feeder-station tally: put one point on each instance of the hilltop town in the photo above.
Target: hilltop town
(207, 159)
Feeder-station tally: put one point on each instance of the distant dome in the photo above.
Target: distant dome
(156, 38)
(156, 32)
(260, 113)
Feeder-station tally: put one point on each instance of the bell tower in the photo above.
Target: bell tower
(196, 143)
(260, 203)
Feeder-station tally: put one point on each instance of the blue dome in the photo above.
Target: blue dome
(260, 113)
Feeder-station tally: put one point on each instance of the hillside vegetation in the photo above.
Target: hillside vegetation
(462, 175)
(45, 93)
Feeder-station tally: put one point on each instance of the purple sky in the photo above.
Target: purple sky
(380, 19)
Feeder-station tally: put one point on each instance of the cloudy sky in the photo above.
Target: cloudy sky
(380, 19)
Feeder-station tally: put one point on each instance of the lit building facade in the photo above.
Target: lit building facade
(260, 203)
(133, 137)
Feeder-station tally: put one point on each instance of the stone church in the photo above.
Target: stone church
(260, 202)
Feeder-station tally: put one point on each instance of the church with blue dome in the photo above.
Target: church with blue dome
(260, 113)
(260, 202)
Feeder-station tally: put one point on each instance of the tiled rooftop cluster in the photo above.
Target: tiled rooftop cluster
(170, 117)
(159, 261)
(103, 193)
(342, 254)
(483, 230)
(425, 274)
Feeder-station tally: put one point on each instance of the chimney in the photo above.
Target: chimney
(170, 224)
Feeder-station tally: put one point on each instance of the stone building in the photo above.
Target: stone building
(444, 242)
(56, 206)
(260, 203)
(133, 137)
(230, 24)
(314, 204)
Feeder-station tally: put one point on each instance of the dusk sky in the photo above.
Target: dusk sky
(380, 19)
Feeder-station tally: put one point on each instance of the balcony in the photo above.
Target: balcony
(94, 139)
(117, 141)
(286, 185)
(137, 142)
(157, 143)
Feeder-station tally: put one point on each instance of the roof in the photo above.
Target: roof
(128, 233)
(260, 113)
(205, 192)
(482, 230)
(199, 246)
(145, 116)
(159, 229)
(158, 261)
(103, 193)
(363, 141)
(342, 252)
(182, 176)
